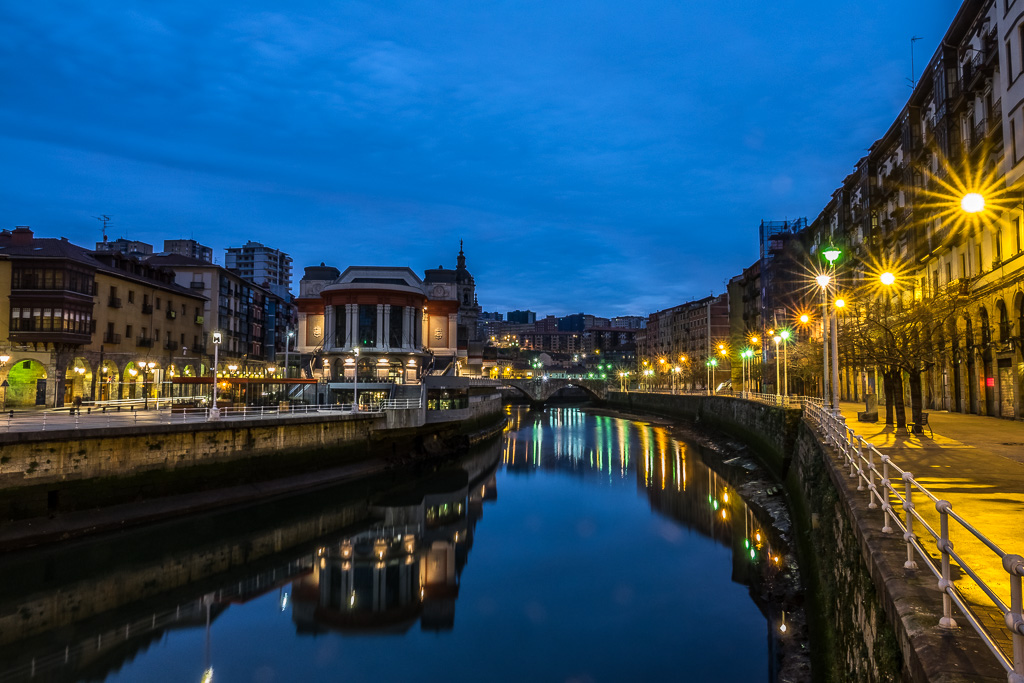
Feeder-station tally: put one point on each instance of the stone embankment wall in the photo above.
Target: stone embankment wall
(66, 470)
(874, 620)
(33, 458)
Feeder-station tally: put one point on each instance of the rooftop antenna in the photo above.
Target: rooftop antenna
(913, 73)
(105, 219)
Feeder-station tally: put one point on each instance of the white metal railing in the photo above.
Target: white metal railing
(95, 419)
(777, 400)
(872, 470)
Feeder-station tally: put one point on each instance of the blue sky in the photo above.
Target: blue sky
(609, 157)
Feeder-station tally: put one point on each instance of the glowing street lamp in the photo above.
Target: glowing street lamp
(217, 338)
(887, 279)
(972, 202)
(712, 363)
(785, 334)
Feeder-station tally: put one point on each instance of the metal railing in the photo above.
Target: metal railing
(131, 413)
(872, 470)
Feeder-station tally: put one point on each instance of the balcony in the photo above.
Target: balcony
(170, 346)
(198, 284)
(111, 338)
(198, 349)
(144, 342)
(171, 314)
(114, 302)
(147, 308)
(49, 336)
(199, 320)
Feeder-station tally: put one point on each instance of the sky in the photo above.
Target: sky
(610, 157)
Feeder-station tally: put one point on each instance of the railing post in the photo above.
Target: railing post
(944, 545)
(1014, 565)
(872, 505)
(908, 512)
(886, 507)
(851, 453)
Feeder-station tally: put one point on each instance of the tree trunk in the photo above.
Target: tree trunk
(890, 399)
(916, 404)
(899, 406)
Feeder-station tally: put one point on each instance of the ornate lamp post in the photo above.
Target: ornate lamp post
(214, 413)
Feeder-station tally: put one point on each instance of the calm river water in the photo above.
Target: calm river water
(579, 547)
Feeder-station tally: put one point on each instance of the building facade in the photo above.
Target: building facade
(900, 210)
(265, 266)
(90, 326)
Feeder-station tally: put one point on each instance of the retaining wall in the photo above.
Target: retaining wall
(875, 621)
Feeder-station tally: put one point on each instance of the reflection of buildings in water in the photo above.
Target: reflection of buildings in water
(669, 473)
(100, 642)
(402, 570)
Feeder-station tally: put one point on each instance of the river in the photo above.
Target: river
(578, 547)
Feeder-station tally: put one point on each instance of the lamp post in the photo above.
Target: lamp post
(785, 334)
(831, 254)
(835, 355)
(712, 363)
(214, 413)
(287, 340)
(146, 369)
(823, 281)
(355, 380)
(778, 392)
(3, 363)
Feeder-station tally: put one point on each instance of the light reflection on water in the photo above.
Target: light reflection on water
(612, 553)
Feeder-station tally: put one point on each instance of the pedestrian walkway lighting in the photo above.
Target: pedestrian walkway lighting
(214, 413)
(840, 303)
(804, 318)
(887, 279)
(972, 202)
(831, 254)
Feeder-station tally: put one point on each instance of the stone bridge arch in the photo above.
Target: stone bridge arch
(540, 390)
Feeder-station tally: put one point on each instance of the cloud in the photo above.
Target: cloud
(598, 158)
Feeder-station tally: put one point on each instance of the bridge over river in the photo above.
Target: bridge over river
(540, 389)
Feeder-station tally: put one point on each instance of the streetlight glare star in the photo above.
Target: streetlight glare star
(972, 202)
(823, 280)
(888, 278)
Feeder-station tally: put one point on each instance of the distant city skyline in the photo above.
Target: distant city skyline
(610, 159)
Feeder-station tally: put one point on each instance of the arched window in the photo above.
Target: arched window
(1004, 321)
(986, 332)
(968, 333)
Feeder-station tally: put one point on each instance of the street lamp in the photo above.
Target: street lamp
(712, 363)
(214, 413)
(3, 363)
(831, 255)
(785, 334)
(823, 282)
(287, 338)
(777, 338)
(355, 381)
(972, 202)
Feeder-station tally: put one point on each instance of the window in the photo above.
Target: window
(1013, 138)
(396, 330)
(131, 296)
(998, 250)
(158, 303)
(367, 325)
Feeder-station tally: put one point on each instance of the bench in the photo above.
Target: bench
(919, 427)
(867, 417)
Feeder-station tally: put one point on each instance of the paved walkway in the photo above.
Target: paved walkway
(977, 464)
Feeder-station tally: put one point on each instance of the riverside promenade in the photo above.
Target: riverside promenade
(977, 464)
